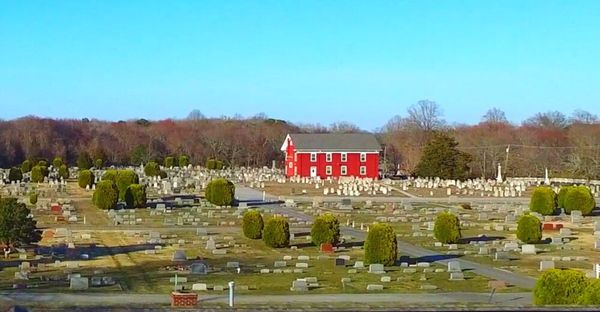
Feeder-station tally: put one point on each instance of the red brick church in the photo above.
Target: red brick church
(331, 155)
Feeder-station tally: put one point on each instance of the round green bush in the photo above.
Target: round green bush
(253, 224)
(276, 233)
(33, 198)
(152, 169)
(447, 228)
(559, 287)
(106, 195)
(15, 174)
(560, 198)
(110, 174)
(38, 173)
(325, 229)
(220, 192)
(169, 162)
(125, 178)
(135, 196)
(57, 162)
(529, 229)
(86, 178)
(184, 161)
(381, 245)
(26, 166)
(543, 201)
(42, 163)
(98, 163)
(579, 198)
(591, 294)
(63, 172)
(210, 164)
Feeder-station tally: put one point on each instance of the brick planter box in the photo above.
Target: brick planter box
(179, 299)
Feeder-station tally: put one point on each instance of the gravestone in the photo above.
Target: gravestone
(359, 264)
(528, 249)
(79, 283)
(299, 285)
(454, 266)
(376, 268)
(340, 262)
(457, 276)
(546, 265)
(210, 244)
(374, 287)
(178, 256)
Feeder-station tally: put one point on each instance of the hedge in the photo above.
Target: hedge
(557, 286)
(86, 178)
(529, 229)
(106, 195)
(276, 233)
(381, 245)
(15, 174)
(543, 201)
(447, 228)
(220, 192)
(579, 198)
(325, 229)
(253, 224)
(135, 196)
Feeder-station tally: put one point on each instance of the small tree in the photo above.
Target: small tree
(84, 161)
(169, 162)
(135, 196)
(543, 200)
(152, 169)
(106, 195)
(15, 174)
(591, 294)
(125, 178)
(86, 178)
(579, 198)
(560, 198)
(38, 173)
(16, 227)
(220, 192)
(184, 161)
(98, 163)
(529, 229)
(325, 229)
(447, 228)
(26, 166)
(63, 172)
(557, 286)
(276, 233)
(57, 162)
(381, 245)
(441, 158)
(253, 224)
(33, 198)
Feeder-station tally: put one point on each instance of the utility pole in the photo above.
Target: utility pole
(506, 161)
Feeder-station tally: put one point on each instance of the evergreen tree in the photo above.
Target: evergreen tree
(442, 159)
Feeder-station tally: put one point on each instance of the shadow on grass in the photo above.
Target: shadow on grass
(483, 238)
(351, 244)
(431, 258)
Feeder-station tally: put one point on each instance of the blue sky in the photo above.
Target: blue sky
(303, 61)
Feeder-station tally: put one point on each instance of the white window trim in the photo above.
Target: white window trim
(363, 157)
(328, 157)
(328, 170)
(343, 170)
(363, 170)
(344, 157)
(313, 157)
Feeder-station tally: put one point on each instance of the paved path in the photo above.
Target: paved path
(114, 299)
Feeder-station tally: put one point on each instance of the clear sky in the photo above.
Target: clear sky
(304, 61)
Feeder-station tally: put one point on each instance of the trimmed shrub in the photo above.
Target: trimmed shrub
(543, 200)
(125, 178)
(135, 196)
(15, 174)
(214, 164)
(325, 229)
(591, 294)
(184, 161)
(381, 245)
(42, 163)
(33, 198)
(253, 224)
(220, 192)
(560, 198)
(98, 163)
(152, 169)
(579, 198)
(447, 228)
(106, 195)
(63, 172)
(86, 178)
(276, 233)
(26, 166)
(57, 162)
(84, 161)
(38, 173)
(169, 162)
(529, 229)
(559, 287)
(110, 174)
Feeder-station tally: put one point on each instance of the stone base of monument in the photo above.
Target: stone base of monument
(179, 299)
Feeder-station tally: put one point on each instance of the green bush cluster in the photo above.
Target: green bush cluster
(543, 201)
(529, 229)
(57, 162)
(253, 224)
(325, 229)
(447, 228)
(560, 287)
(15, 174)
(38, 173)
(106, 195)
(135, 196)
(381, 245)
(184, 161)
(86, 178)
(220, 192)
(213, 164)
(276, 232)
(579, 198)
(124, 179)
(562, 194)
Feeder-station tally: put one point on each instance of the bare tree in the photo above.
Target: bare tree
(344, 127)
(551, 119)
(494, 116)
(426, 116)
(195, 115)
(584, 117)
